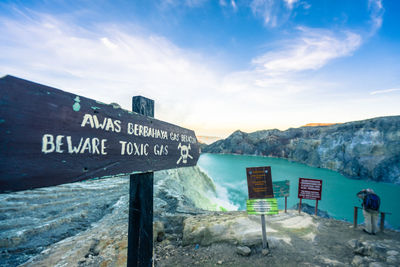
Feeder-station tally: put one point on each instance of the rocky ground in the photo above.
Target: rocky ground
(233, 239)
(37, 221)
(86, 224)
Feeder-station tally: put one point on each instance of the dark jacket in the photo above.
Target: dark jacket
(363, 195)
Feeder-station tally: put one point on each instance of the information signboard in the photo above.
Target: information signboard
(266, 206)
(310, 188)
(50, 137)
(281, 188)
(259, 182)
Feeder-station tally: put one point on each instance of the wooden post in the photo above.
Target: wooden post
(140, 227)
(355, 217)
(316, 207)
(285, 204)
(300, 206)
(264, 232)
(382, 226)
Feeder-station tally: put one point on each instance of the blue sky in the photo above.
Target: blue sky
(214, 66)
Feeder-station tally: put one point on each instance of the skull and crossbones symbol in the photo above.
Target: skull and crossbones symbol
(184, 153)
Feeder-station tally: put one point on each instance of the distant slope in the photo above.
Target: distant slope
(207, 139)
(368, 149)
(313, 124)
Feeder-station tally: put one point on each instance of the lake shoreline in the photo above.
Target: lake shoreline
(228, 172)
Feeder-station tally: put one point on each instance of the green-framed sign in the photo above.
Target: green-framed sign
(265, 206)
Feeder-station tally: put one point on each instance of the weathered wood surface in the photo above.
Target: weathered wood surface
(50, 137)
(259, 182)
(140, 228)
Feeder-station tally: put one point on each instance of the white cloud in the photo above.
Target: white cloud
(290, 3)
(385, 91)
(310, 51)
(108, 43)
(224, 4)
(268, 9)
(106, 63)
(111, 64)
(274, 12)
(376, 14)
(233, 4)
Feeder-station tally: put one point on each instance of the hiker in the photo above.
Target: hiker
(370, 204)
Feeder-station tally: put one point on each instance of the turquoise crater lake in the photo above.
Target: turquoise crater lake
(338, 192)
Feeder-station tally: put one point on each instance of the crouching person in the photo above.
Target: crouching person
(370, 204)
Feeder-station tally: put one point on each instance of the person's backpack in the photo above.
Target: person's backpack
(372, 202)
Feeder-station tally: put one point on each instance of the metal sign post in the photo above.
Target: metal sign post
(264, 232)
(261, 196)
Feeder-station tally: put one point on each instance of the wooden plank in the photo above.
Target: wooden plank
(140, 229)
(134, 220)
(259, 182)
(146, 221)
(50, 137)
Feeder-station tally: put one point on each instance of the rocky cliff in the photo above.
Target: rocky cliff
(33, 220)
(368, 149)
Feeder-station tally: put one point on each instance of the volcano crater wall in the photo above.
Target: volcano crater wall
(368, 149)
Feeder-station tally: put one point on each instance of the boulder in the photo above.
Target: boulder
(231, 228)
(265, 251)
(158, 231)
(353, 243)
(392, 253)
(243, 250)
(238, 228)
(392, 260)
(357, 260)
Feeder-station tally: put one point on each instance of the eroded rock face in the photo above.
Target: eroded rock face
(368, 149)
(375, 251)
(32, 220)
(66, 217)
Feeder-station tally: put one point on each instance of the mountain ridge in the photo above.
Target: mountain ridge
(365, 149)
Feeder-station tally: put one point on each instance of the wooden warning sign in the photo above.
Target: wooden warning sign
(259, 182)
(50, 137)
(310, 188)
